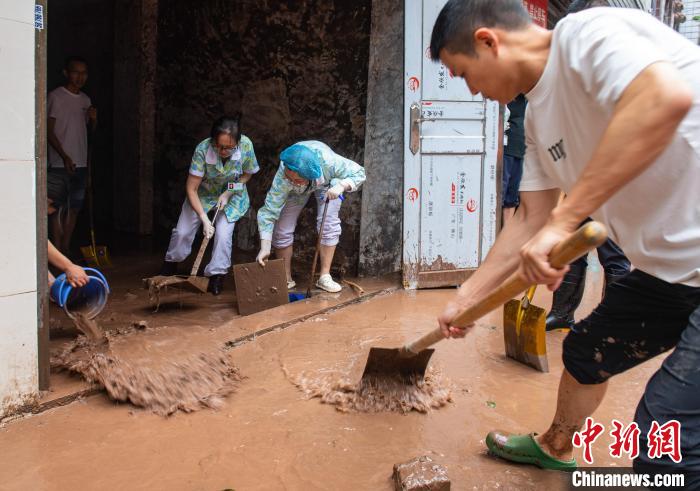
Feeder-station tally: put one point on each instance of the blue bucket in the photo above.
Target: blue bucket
(88, 300)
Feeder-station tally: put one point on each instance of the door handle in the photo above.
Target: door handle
(414, 143)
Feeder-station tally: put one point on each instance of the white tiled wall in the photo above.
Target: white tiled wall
(18, 296)
(17, 10)
(18, 350)
(16, 86)
(18, 220)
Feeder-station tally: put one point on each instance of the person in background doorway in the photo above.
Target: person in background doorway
(513, 154)
(306, 168)
(221, 166)
(70, 112)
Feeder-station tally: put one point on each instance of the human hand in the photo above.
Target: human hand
(76, 276)
(207, 227)
(335, 191)
(92, 114)
(265, 247)
(224, 199)
(69, 165)
(534, 266)
(445, 319)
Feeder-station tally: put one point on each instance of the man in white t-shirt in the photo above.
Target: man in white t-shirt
(613, 120)
(69, 113)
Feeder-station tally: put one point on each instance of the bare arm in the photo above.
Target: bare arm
(75, 274)
(191, 188)
(504, 257)
(643, 124)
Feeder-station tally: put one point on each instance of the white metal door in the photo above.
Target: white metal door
(451, 150)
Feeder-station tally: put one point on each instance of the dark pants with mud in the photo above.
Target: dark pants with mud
(640, 317)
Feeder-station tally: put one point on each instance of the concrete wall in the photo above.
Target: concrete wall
(382, 198)
(135, 38)
(296, 70)
(18, 265)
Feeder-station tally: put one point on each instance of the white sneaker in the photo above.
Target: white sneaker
(325, 282)
(291, 284)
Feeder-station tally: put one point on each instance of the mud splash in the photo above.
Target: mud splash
(375, 395)
(131, 370)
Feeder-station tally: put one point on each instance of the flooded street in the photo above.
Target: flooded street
(267, 435)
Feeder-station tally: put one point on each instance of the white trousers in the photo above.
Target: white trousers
(283, 235)
(183, 235)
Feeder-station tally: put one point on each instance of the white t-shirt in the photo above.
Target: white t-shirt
(595, 55)
(70, 112)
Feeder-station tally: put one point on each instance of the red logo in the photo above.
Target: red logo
(665, 440)
(413, 84)
(586, 437)
(626, 441)
(662, 440)
(412, 195)
(453, 198)
(471, 205)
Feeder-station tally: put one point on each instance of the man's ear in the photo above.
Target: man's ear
(486, 38)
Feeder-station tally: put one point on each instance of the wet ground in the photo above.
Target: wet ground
(268, 436)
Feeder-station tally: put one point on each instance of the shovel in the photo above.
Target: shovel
(95, 256)
(524, 331)
(193, 283)
(411, 361)
(293, 297)
(318, 249)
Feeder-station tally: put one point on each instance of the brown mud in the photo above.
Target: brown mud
(132, 369)
(374, 394)
(270, 436)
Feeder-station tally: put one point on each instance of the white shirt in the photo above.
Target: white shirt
(70, 112)
(595, 55)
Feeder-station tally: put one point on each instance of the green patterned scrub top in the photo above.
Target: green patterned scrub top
(334, 168)
(218, 176)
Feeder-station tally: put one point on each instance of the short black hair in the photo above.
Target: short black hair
(227, 125)
(74, 59)
(579, 5)
(458, 19)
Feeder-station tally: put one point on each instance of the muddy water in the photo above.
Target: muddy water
(374, 394)
(133, 368)
(270, 436)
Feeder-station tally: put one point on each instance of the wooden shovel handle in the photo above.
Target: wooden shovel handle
(589, 236)
(202, 248)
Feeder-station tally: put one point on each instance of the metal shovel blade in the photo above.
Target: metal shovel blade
(526, 344)
(386, 362)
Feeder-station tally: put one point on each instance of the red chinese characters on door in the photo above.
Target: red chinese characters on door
(538, 11)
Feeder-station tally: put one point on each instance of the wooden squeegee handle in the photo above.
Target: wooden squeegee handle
(589, 236)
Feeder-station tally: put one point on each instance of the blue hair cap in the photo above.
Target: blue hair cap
(302, 160)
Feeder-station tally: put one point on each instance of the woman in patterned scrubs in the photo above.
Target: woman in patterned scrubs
(306, 168)
(221, 166)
